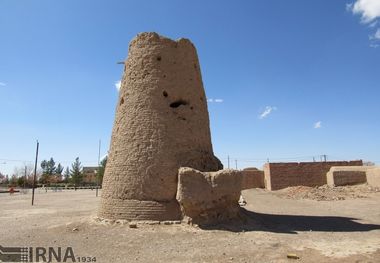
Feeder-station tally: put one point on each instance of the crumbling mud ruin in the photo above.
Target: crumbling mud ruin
(209, 197)
(161, 125)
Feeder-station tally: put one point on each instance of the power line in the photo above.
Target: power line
(311, 158)
(10, 160)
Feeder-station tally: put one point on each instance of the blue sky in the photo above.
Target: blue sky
(286, 80)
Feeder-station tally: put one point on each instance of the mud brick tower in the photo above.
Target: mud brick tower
(161, 124)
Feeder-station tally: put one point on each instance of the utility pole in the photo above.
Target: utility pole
(35, 172)
(228, 162)
(97, 174)
(236, 164)
(24, 178)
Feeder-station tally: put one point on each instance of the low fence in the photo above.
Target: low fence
(46, 189)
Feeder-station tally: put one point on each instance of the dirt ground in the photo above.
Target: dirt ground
(326, 193)
(271, 227)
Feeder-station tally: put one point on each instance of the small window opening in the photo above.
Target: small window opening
(178, 103)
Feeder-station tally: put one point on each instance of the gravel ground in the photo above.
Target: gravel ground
(270, 228)
(326, 193)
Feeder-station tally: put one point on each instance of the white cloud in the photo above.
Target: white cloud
(375, 39)
(376, 36)
(268, 110)
(349, 6)
(373, 24)
(118, 85)
(215, 100)
(2, 84)
(318, 125)
(368, 9)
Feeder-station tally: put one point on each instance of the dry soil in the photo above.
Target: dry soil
(271, 227)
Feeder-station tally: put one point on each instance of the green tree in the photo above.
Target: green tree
(59, 169)
(66, 175)
(58, 173)
(13, 180)
(76, 172)
(102, 168)
(48, 170)
(21, 181)
(48, 167)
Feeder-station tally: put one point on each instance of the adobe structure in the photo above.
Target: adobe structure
(346, 175)
(282, 175)
(161, 124)
(209, 197)
(350, 175)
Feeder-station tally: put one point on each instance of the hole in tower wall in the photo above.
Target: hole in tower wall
(178, 103)
(121, 100)
(158, 58)
(165, 94)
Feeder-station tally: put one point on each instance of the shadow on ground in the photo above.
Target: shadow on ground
(291, 224)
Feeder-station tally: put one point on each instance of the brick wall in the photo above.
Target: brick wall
(282, 175)
(252, 178)
(340, 178)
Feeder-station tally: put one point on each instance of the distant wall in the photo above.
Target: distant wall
(351, 175)
(346, 175)
(252, 178)
(373, 176)
(282, 175)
